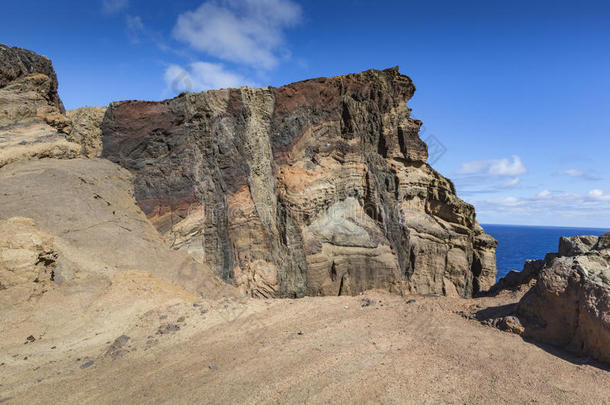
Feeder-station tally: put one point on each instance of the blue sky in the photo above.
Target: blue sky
(518, 93)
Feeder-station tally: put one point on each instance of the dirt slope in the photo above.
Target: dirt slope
(373, 348)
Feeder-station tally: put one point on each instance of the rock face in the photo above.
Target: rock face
(319, 187)
(32, 120)
(568, 304)
(27, 261)
(87, 129)
(18, 63)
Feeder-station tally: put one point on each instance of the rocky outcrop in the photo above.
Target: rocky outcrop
(27, 261)
(319, 187)
(32, 120)
(568, 304)
(87, 129)
(17, 64)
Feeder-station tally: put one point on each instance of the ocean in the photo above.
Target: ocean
(518, 243)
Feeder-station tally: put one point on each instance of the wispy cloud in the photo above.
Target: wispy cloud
(200, 76)
(592, 207)
(495, 167)
(135, 28)
(249, 32)
(577, 173)
(489, 176)
(114, 6)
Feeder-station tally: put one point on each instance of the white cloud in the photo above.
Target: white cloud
(498, 168)
(202, 76)
(114, 6)
(242, 31)
(578, 174)
(599, 195)
(511, 183)
(507, 201)
(560, 208)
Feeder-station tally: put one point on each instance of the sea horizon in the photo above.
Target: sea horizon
(518, 243)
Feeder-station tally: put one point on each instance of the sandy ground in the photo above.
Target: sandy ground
(372, 348)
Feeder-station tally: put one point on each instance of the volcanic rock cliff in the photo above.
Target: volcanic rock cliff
(319, 187)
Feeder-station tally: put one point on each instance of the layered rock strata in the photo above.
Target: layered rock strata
(319, 187)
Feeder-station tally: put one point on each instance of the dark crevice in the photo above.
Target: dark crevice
(341, 285)
(476, 270)
(333, 272)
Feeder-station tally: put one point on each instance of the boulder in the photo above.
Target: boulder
(569, 302)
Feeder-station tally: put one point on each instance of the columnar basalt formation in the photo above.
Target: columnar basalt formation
(319, 187)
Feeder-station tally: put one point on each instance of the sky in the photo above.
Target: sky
(514, 95)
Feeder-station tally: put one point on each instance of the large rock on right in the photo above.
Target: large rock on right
(569, 305)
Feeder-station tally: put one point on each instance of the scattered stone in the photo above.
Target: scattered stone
(181, 319)
(87, 364)
(411, 301)
(30, 339)
(213, 367)
(467, 315)
(366, 302)
(162, 317)
(167, 329)
(115, 350)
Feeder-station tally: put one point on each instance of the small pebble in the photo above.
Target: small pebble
(87, 364)
(213, 367)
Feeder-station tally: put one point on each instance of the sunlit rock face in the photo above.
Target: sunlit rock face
(319, 187)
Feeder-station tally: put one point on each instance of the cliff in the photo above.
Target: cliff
(319, 187)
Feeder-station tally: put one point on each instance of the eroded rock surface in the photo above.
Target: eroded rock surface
(568, 304)
(32, 120)
(87, 206)
(87, 129)
(319, 187)
(27, 261)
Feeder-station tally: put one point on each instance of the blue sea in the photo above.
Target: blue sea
(518, 243)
